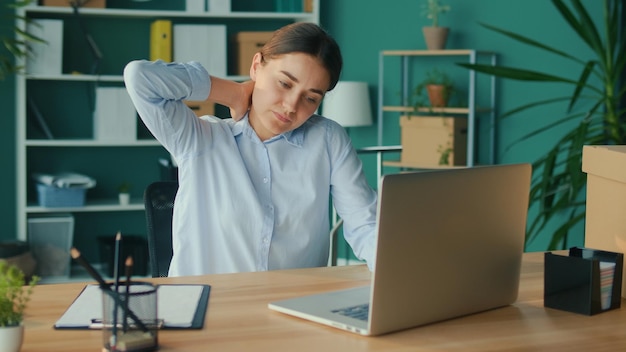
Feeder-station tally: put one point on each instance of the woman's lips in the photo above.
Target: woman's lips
(282, 118)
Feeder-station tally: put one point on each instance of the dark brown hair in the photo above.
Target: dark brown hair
(307, 38)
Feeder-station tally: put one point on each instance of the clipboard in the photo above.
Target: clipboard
(181, 306)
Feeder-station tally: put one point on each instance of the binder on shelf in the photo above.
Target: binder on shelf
(115, 119)
(203, 43)
(47, 57)
(161, 40)
(308, 6)
(219, 6)
(195, 5)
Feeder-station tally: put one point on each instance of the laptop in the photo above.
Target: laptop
(449, 244)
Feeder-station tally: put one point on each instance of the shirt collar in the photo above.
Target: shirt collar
(294, 137)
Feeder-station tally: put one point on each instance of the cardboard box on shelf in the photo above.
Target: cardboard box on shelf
(91, 3)
(605, 224)
(248, 44)
(429, 140)
(202, 108)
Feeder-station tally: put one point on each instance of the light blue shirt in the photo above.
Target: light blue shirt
(244, 204)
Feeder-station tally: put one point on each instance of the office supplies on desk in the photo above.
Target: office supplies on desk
(586, 281)
(450, 243)
(179, 306)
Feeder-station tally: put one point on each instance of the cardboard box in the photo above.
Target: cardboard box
(605, 223)
(91, 3)
(202, 108)
(248, 44)
(427, 139)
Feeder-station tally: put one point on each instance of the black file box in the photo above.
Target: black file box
(572, 283)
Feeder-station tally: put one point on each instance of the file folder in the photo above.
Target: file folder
(161, 40)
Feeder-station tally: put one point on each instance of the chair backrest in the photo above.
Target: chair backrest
(159, 203)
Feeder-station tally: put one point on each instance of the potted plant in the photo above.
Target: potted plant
(434, 35)
(438, 87)
(124, 193)
(559, 185)
(14, 295)
(429, 139)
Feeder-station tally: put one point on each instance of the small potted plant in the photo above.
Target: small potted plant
(434, 35)
(14, 295)
(439, 88)
(124, 193)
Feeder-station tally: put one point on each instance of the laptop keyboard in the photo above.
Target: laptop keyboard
(360, 311)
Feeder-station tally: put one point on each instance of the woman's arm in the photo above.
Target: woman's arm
(236, 96)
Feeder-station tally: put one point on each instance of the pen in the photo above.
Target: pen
(75, 253)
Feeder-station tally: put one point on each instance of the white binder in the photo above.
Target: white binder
(203, 43)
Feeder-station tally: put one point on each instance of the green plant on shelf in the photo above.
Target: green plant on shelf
(425, 93)
(124, 187)
(432, 9)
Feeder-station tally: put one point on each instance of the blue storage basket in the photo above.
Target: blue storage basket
(50, 196)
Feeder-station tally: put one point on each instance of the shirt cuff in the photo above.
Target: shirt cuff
(200, 81)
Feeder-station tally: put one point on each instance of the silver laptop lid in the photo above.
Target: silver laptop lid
(450, 243)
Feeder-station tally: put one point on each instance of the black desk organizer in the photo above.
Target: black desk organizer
(572, 283)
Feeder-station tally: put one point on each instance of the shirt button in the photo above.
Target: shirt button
(266, 240)
(265, 179)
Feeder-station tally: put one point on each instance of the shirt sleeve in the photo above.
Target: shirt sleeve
(158, 90)
(353, 198)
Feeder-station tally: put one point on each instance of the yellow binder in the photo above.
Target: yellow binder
(161, 40)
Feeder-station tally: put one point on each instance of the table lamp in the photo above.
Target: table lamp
(348, 104)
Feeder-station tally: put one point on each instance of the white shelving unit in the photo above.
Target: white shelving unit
(406, 58)
(26, 206)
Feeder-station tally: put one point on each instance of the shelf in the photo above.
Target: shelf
(405, 165)
(409, 61)
(99, 78)
(456, 52)
(89, 143)
(90, 206)
(447, 110)
(132, 13)
(67, 95)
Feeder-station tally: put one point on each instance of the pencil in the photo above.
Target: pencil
(75, 253)
(116, 277)
(129, 270)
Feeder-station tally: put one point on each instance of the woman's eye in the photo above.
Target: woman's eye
(283, 84)
(311, 100)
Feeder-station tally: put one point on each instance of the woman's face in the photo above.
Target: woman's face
(288, 89)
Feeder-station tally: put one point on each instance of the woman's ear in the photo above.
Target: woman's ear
(256, 62)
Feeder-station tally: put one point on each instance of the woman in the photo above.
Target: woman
(255, 190)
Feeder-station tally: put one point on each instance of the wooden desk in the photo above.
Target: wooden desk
(238, 319)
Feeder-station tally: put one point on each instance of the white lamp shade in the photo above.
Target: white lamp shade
(348, 104)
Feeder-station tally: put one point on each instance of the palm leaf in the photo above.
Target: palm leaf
(558, 187)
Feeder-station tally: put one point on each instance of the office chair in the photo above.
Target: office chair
(159, 203)
(334, 234)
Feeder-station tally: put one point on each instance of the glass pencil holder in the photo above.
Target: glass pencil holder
(129, 317)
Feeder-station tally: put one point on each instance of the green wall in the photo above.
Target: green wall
(365, 27)
(363, 31)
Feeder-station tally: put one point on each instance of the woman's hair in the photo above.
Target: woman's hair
(307, 38)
